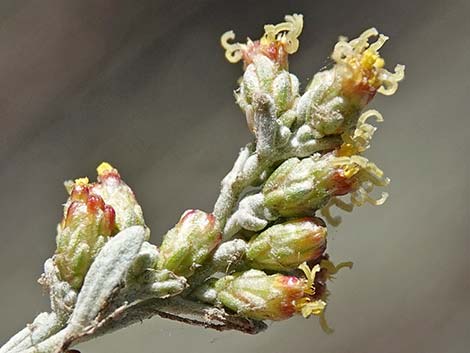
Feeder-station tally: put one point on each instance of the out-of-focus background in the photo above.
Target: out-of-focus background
(144, 85)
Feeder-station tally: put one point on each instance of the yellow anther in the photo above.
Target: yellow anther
(82, 181)
(351, 170)
(346, 149)
(103, 168)
(379, 63)
(370, 59)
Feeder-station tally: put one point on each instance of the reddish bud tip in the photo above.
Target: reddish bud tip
(95, 203)
(342, 185)
(107, 173)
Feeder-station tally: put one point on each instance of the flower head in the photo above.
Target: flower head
(336, 97)
(361, 67)
(300, 187)
(276, 44)
(259, 296)
(364, 175)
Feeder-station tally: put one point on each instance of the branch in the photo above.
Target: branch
(261, 254)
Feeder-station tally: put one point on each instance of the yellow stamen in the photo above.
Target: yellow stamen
(104, 167)
(369, 59)
(82, 181)
(346, 149)
(351, 170)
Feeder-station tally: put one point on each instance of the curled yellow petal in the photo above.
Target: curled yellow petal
(286, 32)
(233, 51)
(310, 275)
(276, 43)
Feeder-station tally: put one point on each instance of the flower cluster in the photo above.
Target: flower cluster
(93, 213)
(261, 253)
(305, 157)
(278, 220)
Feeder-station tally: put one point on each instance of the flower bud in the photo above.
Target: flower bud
(189, 243)
(285, 91)
(285, 246)
(93, 213)
(87, 224)
(119, 195)
(256, 295)
(300, 187)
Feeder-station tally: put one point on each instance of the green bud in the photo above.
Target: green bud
(300, 187)
(285, 91)
(87, 224)
(287, 245)
(189, 243)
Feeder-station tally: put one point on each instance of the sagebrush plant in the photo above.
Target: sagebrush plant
(261, 254)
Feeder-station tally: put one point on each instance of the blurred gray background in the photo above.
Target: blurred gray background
(144, 85)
